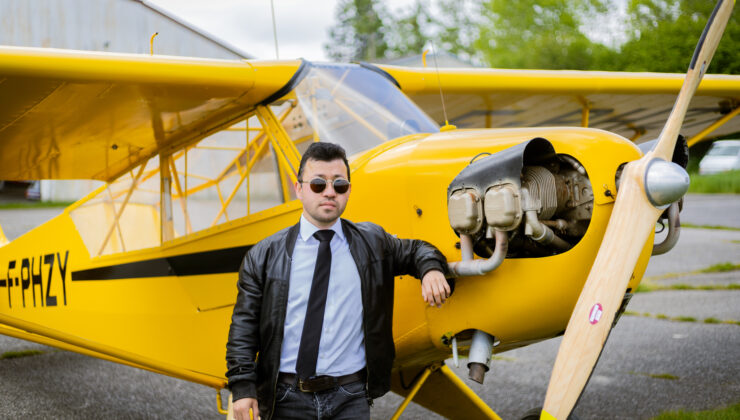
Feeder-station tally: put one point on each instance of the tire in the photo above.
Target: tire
(534, 414)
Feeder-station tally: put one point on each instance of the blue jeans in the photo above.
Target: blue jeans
(345, 402)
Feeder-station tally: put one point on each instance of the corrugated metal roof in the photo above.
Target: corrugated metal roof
(106, 25)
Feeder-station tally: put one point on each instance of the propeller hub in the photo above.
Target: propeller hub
(665, 183)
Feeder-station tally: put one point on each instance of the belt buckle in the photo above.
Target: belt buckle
(301, 387)
(316, 383)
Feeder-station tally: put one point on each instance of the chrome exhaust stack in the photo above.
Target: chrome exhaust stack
(479, 358)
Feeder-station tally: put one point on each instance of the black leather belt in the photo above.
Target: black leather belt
(320, 383)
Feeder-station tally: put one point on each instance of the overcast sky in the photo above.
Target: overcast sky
(302, 25)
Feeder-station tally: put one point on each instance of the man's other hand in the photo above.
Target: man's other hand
(434, 288)
(242, 406)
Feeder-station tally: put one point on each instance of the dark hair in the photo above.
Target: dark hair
(324, 152)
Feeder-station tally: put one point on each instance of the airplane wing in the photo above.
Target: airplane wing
(634, 105)
(85, 115)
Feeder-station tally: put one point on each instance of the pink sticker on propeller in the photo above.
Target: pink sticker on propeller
(595, 315)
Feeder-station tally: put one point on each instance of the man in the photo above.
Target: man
(311, 330)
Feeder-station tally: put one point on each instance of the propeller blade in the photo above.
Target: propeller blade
(633, 219)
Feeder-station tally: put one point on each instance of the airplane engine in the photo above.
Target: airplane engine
(541, 200)
(524, 201)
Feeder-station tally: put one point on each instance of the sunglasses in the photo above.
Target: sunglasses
(318, 185)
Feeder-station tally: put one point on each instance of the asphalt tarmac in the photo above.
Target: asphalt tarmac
(652, 362)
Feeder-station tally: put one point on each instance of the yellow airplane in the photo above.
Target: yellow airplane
(198, 157)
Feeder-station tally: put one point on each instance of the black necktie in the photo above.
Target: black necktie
(308, 352)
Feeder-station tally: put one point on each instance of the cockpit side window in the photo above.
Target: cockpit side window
(249, 166)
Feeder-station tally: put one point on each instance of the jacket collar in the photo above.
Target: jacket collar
(347, 229)
(307, 229)
(295, 230)
(291, 238)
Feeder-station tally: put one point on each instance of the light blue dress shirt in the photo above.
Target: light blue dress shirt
(341, 349)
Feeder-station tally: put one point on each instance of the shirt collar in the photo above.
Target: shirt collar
(308, 229)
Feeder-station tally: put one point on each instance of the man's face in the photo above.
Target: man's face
(324, 208)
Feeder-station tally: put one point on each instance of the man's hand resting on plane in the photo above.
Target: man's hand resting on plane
(434, 288)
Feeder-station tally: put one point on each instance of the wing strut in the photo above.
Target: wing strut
(440, 390)
(713, 126)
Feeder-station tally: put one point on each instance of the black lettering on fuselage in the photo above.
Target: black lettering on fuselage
(63, 270)
(36, 280)
(25, 278)
(11, 265)
(31, 276)
(50, 300)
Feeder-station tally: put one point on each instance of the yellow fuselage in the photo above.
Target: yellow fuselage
(402, 185)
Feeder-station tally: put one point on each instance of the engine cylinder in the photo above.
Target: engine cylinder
(550, 190)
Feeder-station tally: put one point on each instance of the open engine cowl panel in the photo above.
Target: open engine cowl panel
(541, 199)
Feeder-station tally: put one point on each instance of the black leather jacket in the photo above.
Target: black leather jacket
(259, 314)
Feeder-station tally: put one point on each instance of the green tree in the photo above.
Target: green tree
(540, 34)
(408, 33)
(446, 23)
(457, 28)
(664, 33)
(365, 30)
(359, 34)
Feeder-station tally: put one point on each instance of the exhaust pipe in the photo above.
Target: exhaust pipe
(471, 267)
(480, 355)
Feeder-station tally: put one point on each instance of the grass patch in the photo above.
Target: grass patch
(718, 227)
(648, 283)
(645, 287)
(667, 376)
(731, 286)
(35, 204)
(17, 354)
(665, 276)
(651, 287)
(710, 320)
(664, 376)
(503, 358)
(720, 268)
(684, 319)
(725, 182)
(726, 413)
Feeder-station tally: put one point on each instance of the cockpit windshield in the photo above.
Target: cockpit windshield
(355, 107)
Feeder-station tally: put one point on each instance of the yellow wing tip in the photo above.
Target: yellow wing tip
(547, 416)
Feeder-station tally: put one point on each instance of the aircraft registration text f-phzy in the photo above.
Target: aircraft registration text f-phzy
(45, 273)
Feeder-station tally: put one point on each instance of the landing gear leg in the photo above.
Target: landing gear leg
(417, 385)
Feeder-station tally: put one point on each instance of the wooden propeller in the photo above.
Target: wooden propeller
(633, 219)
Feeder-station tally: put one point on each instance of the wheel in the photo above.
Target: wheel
(534, 414)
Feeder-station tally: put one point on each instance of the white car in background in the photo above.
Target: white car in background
(724, 155)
